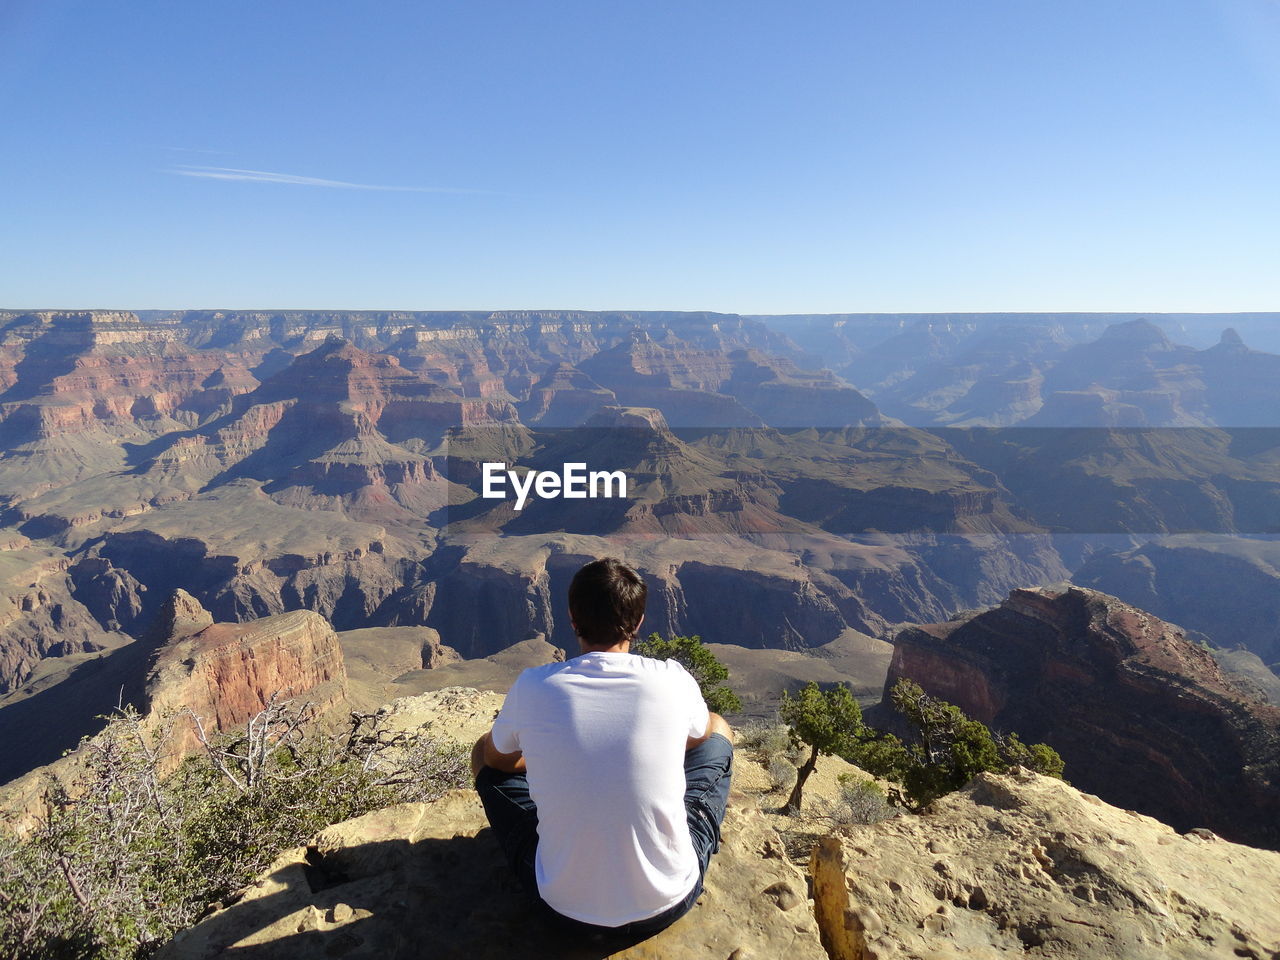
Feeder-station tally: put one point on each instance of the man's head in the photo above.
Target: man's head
(606, 603)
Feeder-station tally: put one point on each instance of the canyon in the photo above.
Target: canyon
(799, 489)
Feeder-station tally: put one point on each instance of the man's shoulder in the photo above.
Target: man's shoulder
(665, 668)
(667, 675)
(611, 664)
(541, 672)
(647, 666)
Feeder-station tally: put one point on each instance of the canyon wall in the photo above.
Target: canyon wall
(1141, 716)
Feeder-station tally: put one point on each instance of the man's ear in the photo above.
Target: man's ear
(638, 625)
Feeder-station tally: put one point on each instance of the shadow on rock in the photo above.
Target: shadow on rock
(429, 881)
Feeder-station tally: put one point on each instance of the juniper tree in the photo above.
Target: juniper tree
(947, 750)
(828, 721)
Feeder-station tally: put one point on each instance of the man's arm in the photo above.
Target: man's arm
(715, 724)
(485, 754)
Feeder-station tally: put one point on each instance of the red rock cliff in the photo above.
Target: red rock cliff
(1142, 717)
(226, 672)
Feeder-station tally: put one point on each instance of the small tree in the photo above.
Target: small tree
(694, 656)
(828, 721)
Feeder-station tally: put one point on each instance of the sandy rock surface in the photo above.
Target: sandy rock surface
(1027, 865)
(428, 880)
(460, 714)
(1012, 865)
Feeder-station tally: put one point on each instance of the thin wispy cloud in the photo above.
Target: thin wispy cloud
(222, 153)
(292, 179)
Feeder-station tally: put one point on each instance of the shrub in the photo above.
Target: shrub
(863, 800)
(782, 773)
(770, 745)
(765, 742)
(125, 857)
(948, 749)
(860, 801)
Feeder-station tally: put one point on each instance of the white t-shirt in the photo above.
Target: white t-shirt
(604, 735)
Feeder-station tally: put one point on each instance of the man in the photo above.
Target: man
(605, 777)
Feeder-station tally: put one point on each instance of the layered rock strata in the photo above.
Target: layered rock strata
(1141, 716)
(223, 673)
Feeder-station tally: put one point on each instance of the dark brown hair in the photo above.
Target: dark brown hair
(606, 601)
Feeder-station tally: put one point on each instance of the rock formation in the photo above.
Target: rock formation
(1131, 376)
(1024, 865)
(1141, 716)
(430, 878)
(993, 378)
(179, 618)
(227, 672)
(275, 461)
(377, 659)
(739, 388)
(1173, 577)
(564, 397)
(41, 621)
(1014, 864)
(1064, 371)
(224, 673)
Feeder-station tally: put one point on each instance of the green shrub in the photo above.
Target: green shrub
(950, 749)
(767, 743)
(947, 750)
(859, 800)
(862, 800)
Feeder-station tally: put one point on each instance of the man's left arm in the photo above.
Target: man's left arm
(500, 747)
(700, 719)
(506, 762)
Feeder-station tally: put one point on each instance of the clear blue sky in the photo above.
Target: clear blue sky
(897, 155)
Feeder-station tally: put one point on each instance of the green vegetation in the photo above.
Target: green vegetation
(949, 749)
(946, 751)
(771, 745)
(127, 856)
(710, 673)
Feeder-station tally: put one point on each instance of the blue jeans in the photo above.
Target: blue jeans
(514, 818)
